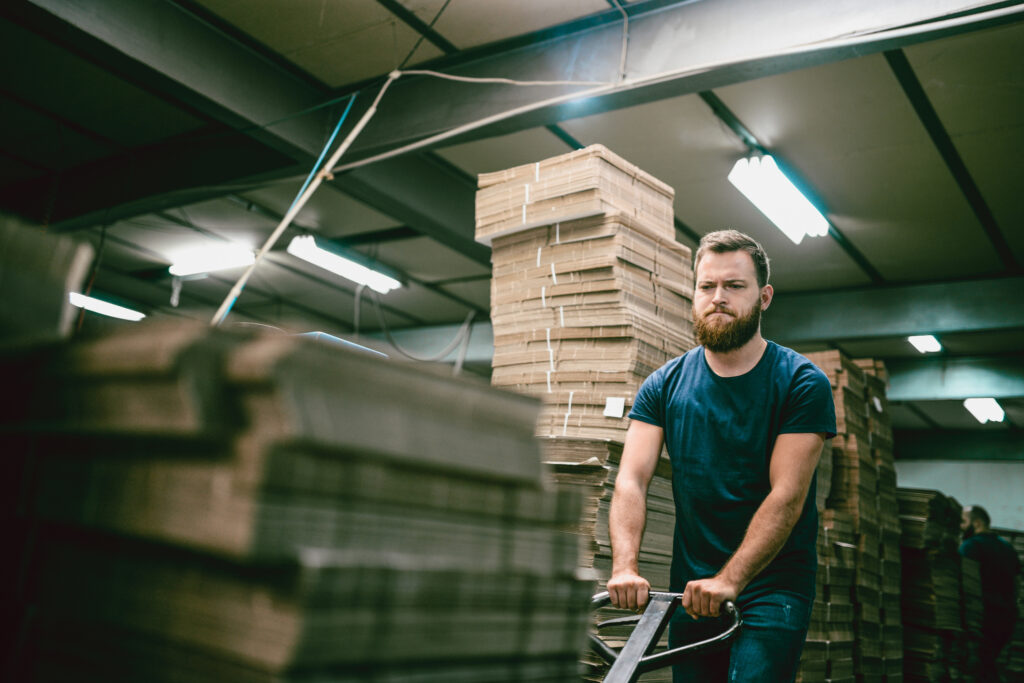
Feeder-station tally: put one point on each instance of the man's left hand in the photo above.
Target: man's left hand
(703, 598)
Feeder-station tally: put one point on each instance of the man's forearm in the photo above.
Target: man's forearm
(765, 536)
(626, 521)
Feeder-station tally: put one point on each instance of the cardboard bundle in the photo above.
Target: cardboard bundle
(220, 507)
(931, 590)
(829, 649)
(581, 321)
(591, 467)
(864, 487)
(588, 182)
(590, 295)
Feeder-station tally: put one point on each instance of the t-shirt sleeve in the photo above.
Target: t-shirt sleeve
(648, 405)
(809, 404)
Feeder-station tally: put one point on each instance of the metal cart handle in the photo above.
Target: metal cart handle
(635, 657)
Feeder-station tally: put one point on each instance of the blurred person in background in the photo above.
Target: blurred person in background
(1000, 567)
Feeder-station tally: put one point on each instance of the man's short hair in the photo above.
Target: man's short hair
(976, 512)
(724, 241)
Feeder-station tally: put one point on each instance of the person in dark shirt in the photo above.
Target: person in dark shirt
(1000, 568)
(744, 420)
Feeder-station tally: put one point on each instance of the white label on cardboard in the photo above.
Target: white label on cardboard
(614, 406)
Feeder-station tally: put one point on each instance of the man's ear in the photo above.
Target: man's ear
(767, 292)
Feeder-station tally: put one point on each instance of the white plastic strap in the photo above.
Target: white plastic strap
(543, 299)
(561, 315)
(536, 172)
(538, 256)
(554, 278)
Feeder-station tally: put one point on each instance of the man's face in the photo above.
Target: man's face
(727, 301)
(965, 523)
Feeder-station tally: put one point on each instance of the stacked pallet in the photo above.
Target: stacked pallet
(590, 294)
(931, 606)
(215, 507)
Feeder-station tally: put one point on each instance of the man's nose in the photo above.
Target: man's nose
(719, 295)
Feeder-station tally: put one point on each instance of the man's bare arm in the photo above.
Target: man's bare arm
(628, 514)
(794, 460)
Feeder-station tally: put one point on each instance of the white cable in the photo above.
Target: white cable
(297, 206)
(462, 332)
(625, 40)
(627, 84)
(508, 81)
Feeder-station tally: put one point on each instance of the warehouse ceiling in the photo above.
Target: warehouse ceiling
(152, 127)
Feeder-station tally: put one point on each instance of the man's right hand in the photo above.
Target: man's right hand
(628, 590)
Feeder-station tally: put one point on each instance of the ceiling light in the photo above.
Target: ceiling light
(985, 409)
(104, 307)
(306, 248)
(209, 259)
(767, 188)
(925, 343)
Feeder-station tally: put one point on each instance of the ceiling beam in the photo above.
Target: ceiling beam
(958, 444)
(929, 118)
(164, 47)
(934, 379)
(673, 49)
(895, 311)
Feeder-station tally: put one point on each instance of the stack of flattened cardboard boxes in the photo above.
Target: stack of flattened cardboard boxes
(590, 294)
(215, 507)
(931, 603)
(862, 498)
(880, 438)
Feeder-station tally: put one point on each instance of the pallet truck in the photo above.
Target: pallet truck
(636, 657)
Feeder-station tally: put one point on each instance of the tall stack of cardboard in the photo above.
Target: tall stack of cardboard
(880, 438)
(931, 585)
(854, 492)
(590, 294)
(829, 649)
(215, 507)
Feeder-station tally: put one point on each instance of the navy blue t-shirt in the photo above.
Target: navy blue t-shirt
(720, 432)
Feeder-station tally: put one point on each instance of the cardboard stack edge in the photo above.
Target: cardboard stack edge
(215, 506)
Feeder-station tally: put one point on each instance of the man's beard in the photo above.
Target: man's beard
(729, 336)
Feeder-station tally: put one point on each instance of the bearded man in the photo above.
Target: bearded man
(744, 421)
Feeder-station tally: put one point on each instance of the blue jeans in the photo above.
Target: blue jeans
(767, 649)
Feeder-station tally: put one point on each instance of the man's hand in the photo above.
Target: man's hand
(629, 590)
(703, 598)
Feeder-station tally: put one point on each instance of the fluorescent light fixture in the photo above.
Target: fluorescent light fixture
(767, 188)
(104, 307)
(925, 343)
(209, 259)
(306, 248)
(985, 409)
